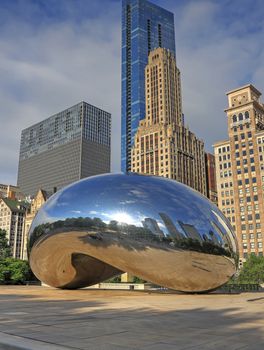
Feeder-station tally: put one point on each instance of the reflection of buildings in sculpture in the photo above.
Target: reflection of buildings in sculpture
(171, 228)
(222, 233)
(163, 145)
(12, 216)
(212, 236)
(190, 231)
(240, 169)
(32, 210)
(153, 226)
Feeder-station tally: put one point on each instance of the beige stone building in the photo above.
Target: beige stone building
(11, 192)
(12, 218)
(240, 169)
(32, 210)
(164, 146)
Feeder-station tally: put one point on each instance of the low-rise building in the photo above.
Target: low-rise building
(12, 218)
(32, 210)
(12, 192)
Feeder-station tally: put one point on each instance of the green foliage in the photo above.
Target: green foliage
(252, 270)
(14, 271)
(138, 280)
(5, 250)
(116, 279)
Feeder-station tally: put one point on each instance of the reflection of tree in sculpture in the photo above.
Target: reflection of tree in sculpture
(142, 234)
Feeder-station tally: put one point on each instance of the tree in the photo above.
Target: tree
(5, 250)
(252, 270)
(14, 271)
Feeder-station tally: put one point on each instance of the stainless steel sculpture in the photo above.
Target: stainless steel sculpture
(155, 228)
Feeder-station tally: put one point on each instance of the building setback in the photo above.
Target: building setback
(211, 177)
(163, 145)
(145, 26)
(240, 169)
(64, 148)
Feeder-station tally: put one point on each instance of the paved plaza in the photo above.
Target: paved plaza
(45, 318)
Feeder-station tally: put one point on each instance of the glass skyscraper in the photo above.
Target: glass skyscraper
(145, 26)
(64, 148)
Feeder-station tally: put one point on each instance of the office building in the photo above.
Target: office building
(240, 169)
(145, 26)
(163, 145)
(12, 216)
(211, 177)
(64, 148)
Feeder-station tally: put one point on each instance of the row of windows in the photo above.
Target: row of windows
(252, 245)
(241, 127)
(224, 157)
(240, 117)
(226, 173)
(226, 185)
(247, 181)
(261, 140)
(243, 144)
(250, 217)
(249, 208)
(251, 235)
(227, 202)
(224, 149)
(245, 170)
(242, 136)
(227, 193)
(243, 153)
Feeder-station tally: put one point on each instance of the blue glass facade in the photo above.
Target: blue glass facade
(145, 26)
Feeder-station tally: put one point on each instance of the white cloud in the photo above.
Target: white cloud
(47, 67)
(215, 57)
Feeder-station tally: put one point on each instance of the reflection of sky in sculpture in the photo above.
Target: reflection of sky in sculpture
(131, 199)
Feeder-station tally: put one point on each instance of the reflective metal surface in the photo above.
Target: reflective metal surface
(155, 228)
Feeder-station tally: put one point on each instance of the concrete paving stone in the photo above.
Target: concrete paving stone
(8, 342)
(125, 320)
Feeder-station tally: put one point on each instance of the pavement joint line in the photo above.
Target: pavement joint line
(17, 342)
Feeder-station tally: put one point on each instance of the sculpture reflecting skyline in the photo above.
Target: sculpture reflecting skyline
(152, 227)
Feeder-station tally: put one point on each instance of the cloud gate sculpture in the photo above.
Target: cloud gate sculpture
(153, 227)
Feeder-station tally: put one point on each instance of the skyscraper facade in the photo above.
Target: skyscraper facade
(163, 145)
(64, 148)
(240, 169)
(145, 26)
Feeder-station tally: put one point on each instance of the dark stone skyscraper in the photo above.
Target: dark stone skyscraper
(145, 26)
(64, 148)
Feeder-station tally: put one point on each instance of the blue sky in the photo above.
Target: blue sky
(55, 53)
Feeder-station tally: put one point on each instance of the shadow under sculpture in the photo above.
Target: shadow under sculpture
(155, 228)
